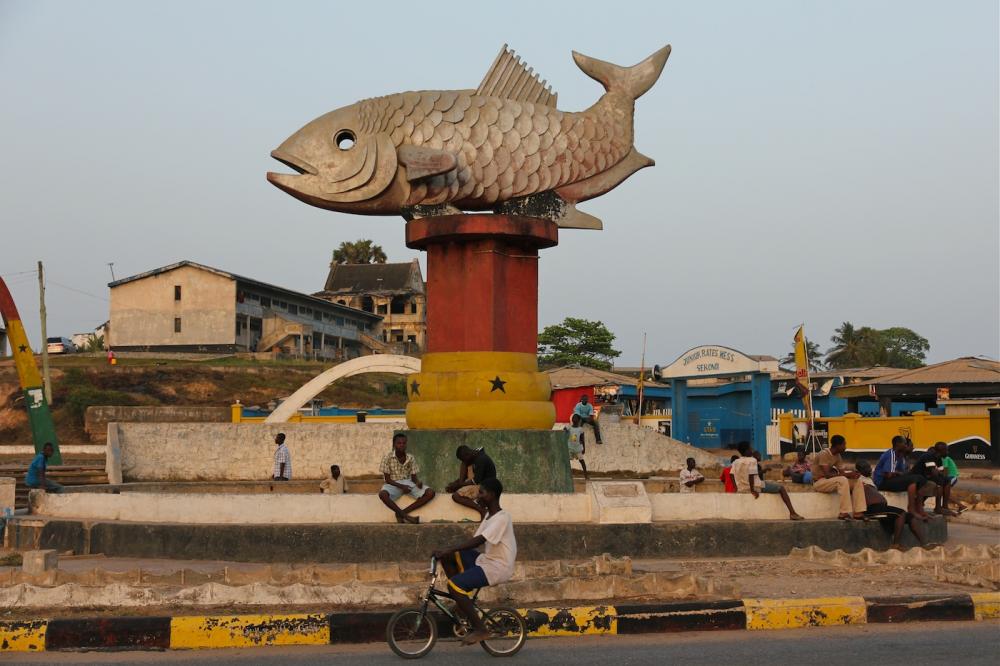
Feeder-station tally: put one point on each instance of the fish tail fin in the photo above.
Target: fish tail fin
(633, 81)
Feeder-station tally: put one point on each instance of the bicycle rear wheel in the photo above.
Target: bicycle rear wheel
(410, 633)
(507, 632)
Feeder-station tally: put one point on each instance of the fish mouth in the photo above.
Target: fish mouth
(293, 162)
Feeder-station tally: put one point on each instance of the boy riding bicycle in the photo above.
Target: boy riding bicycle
(468, 568)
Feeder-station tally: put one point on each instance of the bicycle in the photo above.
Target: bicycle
(412, 632)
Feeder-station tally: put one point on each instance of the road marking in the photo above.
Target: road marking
(249, 631)
(793, 613)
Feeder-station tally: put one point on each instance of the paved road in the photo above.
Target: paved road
(967, 643)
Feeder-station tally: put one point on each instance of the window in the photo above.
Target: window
(177, 324)
(382, 309)
(293, 309)
(413, 308)
(339, 321)
(318, 316)
(177, 292)
(265, 302)
(411, 338)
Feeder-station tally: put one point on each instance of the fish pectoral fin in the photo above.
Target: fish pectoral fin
(421, 162)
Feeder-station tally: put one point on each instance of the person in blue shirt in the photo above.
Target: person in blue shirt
(586, 413)
(36, 477)
(891, 474)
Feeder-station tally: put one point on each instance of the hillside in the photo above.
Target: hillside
(80, 380)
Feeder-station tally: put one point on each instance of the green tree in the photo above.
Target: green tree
(895, 347)
(577, 341)
(361, 251)
(812, 352)
(903, 347)
(854, 347)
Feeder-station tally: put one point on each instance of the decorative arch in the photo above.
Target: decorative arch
(392, 363)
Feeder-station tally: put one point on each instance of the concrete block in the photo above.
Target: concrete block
(620, 502)
(39, 561)
(7, 485)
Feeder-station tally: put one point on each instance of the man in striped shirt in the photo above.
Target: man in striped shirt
(282, 460)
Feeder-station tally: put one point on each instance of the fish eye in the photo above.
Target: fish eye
(345, 139)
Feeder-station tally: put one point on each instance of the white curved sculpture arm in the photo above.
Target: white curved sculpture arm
(401, 365)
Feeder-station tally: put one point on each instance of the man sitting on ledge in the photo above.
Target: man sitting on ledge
(400, 470)
(830, 477)
(586, 413)
(464, 489)
(746, 473)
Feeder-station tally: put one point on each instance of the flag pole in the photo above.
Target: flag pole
(642, 374)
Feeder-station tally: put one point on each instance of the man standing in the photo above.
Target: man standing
(400, 470)
(829, 477)
(586, 412)
(282, 460)
(36, 477)
(464, 490)
(576, 441)
(469, 569)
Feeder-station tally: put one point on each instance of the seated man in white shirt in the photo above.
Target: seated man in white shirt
(690, 477)
(747, 475)
(468, 568)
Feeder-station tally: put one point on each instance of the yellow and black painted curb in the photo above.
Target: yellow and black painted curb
(196, 632)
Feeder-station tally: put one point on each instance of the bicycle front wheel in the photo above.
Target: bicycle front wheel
(507, 632)
(411, 633)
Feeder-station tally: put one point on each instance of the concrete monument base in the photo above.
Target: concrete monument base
(527, 461)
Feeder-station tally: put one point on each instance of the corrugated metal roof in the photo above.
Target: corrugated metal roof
(370, 278)
(577, 376)
(964, 370)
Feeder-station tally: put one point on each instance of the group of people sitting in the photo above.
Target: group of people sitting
(921, 476)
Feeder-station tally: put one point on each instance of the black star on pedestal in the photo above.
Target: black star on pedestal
(23, 348)
(497, 385)
(415, 388)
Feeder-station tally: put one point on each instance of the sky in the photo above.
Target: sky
(816, 162)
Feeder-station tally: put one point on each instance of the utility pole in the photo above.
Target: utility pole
(642, 378)
(45, 339)
(111, 265)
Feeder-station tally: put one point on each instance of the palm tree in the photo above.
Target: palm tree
(361, 251)
(812, 353)
(854, 347)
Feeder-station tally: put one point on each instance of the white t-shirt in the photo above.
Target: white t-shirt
(741, 470)
(689, 475)
(500, 549)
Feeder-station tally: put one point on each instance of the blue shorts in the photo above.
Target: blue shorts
(395, 493)
(470, 577)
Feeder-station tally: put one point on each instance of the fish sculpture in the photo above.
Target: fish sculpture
(503, 147)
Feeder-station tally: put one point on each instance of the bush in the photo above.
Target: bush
(81, 397)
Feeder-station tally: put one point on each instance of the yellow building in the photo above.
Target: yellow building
(395, 292)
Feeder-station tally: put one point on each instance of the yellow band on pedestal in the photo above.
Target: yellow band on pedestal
(492, 390)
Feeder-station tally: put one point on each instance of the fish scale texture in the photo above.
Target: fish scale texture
(505, 149)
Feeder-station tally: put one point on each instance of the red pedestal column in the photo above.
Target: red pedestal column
(480, 369)
(482, 280)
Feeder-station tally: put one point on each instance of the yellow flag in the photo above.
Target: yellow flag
(802, 370)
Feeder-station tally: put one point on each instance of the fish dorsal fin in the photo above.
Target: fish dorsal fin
(511, 78)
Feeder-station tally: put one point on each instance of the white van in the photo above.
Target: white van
(60, 346)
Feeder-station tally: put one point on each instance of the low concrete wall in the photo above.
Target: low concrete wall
(245, 451)
(290, 509)
(738, 506)
(414, 543)
(97, 418)
(295, 508)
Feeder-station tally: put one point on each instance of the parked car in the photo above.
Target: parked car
(60, 346)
